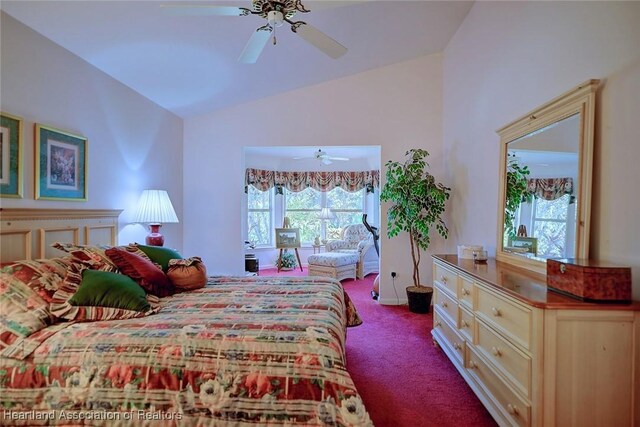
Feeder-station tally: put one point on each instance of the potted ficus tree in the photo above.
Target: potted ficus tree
(417, 206)
(516, 193)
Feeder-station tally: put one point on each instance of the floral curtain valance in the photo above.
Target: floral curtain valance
(550, 188)
(321, 181)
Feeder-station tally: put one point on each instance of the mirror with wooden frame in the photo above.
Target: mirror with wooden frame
(546, 160)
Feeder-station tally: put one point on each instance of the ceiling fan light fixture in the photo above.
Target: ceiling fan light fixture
(275, 18)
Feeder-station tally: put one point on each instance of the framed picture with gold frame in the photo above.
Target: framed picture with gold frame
(11, 179)
(287, 238)
(61, 164)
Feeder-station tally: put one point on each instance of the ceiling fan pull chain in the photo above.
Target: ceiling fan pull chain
(274, 36)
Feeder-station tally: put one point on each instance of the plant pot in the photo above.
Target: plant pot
(419, 298)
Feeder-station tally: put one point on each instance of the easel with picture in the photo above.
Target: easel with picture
(287, 238)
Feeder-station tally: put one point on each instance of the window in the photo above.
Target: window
(550, 218)
(267, 209)
(259, 224)
(347, 207)
(303, 209)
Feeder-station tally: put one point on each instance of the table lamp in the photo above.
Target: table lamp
(325, 214)
(155, 208)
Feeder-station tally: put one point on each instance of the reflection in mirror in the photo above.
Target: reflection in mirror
(546, 160)
(541, 191)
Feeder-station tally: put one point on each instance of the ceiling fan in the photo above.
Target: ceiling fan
(276, 12)
(323, 157)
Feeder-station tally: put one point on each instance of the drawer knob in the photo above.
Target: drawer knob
(496, 351)
(465, 291)
(472, 364)
(465, 324)
(443, 279)
(512, 409)
(496, 312)
(444, 304)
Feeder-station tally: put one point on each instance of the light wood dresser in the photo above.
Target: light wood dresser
(532, 356)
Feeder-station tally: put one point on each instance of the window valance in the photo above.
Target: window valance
(550, 188)
(322, 181)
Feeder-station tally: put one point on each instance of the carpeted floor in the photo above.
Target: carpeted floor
(403, 379)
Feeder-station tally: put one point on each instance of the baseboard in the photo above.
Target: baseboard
(392, 301)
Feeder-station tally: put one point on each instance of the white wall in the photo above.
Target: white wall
(133, 143)
(397, 107)
(506, 59)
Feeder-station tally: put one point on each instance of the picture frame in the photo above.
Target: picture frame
(61, 165)
(11, 172)
(287, 238)
(524, 244)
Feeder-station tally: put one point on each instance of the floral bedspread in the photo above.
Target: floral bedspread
(241, 351)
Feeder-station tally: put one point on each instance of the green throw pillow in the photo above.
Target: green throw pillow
(106, 289)
(160, 255)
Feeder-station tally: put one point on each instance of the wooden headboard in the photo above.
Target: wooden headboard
(29, 233)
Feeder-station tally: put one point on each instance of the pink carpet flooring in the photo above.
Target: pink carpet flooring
(403, 379)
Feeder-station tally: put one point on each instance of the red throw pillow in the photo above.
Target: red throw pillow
(143, 271)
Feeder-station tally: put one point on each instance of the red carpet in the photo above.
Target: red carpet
(402, 378)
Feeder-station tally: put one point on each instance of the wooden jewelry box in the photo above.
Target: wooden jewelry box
(589, 280)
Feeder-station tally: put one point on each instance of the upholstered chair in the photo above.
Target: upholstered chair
(357, 239)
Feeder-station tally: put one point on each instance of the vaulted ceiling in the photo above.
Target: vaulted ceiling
(188, 64)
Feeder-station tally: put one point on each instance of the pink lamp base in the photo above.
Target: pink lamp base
(155, 238)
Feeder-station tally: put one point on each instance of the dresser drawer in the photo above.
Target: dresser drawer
(513, 407)
(453, 339)
(446, 278)
(465, 297)
(447, 304)
(513, 364)
(506, 316)
(466, 324)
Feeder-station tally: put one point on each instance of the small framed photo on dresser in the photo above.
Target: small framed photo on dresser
(10, 156)
(61, 165)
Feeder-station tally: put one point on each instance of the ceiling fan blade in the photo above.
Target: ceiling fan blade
(204, 10)
(319, 39)
(326, 161)
(256, 43)
(341, 159)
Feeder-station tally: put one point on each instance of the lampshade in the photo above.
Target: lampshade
(155, 207)
(326, 213)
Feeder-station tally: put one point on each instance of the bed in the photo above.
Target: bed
(240, 351)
